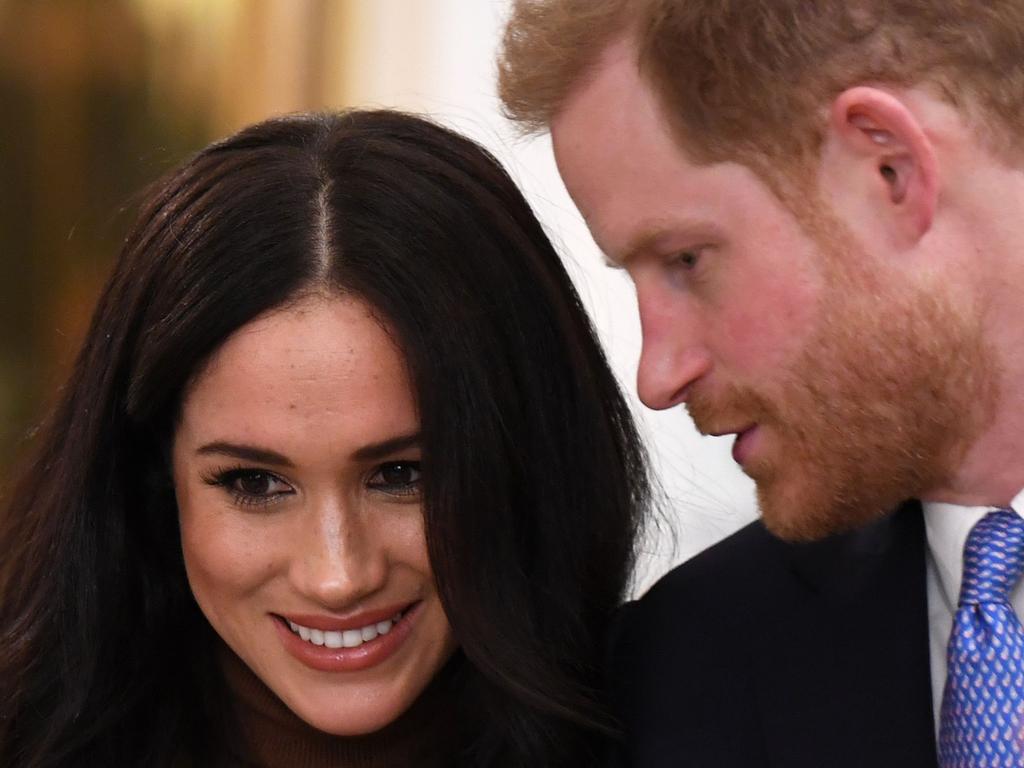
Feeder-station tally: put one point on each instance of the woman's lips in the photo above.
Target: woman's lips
(355, 621)
(380, 634)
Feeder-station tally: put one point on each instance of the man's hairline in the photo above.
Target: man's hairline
(787, 184)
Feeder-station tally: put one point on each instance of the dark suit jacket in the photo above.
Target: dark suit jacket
(761, 653)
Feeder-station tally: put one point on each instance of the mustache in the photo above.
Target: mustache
(729, 410)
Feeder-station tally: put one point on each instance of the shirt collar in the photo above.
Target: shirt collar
(947, 527)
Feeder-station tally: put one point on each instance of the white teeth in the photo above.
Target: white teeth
(352, 638)
(332, 639)
(349, 638)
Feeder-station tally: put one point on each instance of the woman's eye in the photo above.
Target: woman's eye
(253, 486)
(398, 478)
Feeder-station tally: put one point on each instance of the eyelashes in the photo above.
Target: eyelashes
(398, 478)
(254, 487)
(249, 487)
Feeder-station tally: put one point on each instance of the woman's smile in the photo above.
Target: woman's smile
(327, 644)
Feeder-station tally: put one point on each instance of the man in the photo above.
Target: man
(819, 205)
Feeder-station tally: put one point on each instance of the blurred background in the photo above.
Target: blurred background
(100, 97)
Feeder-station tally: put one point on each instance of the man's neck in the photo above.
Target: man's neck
(991, 470)
(985, 260)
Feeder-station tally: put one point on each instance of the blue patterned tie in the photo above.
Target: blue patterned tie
(982, 721)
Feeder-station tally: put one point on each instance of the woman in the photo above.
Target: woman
(341, 476)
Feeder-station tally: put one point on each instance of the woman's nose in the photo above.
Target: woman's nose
(339, 561)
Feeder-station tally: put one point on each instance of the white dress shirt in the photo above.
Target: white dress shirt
(947, 527)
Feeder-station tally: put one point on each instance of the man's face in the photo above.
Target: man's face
(850, 383)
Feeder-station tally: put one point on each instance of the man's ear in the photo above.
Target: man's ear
(879, 164)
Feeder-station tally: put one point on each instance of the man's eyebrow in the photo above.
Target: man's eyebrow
(387, 447)
(647, 234)
(246, 453)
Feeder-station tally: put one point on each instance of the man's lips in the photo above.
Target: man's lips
(722, 432)
(743, 444)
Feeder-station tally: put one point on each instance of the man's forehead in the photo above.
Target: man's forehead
(605, 97)
(604, 137)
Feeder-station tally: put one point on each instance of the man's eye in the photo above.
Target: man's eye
(398, 478)
(686, 259)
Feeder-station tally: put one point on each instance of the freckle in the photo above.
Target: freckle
(291, 406)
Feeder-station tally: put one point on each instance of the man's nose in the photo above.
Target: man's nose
(341, 562)
(674, 354)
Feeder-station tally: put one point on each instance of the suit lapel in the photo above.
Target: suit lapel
(844, 676)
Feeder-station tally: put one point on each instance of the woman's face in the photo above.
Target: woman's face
(296, 468)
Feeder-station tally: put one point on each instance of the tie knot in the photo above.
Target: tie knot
(993, 558)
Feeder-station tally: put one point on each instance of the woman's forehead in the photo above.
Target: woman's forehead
(321, 366)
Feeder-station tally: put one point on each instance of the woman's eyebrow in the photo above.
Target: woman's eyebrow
(246, 452)
(387, 447)
(266, 456)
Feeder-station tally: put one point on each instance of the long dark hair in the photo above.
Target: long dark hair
(535, 479)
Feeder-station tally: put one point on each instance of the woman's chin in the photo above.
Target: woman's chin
(349, 721)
